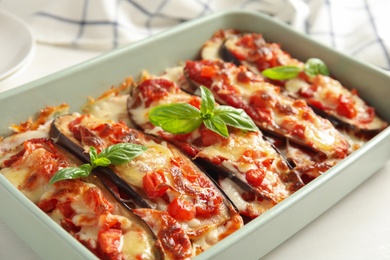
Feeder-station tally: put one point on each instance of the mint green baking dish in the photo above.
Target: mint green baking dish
(167, 49)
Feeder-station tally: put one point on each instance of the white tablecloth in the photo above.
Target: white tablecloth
(358, 227)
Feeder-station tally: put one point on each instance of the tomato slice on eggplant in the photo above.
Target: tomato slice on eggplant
(248, 161)
(327, 96)
(271, 110)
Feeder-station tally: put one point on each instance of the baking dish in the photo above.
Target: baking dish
(167, 49)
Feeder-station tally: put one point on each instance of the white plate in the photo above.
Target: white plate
(16, 43)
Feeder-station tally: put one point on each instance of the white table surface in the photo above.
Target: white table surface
(358, 227)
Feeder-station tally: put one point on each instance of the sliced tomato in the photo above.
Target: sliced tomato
(264, 54)
(48, 205)
(208, 204)
(255, 177)
(14, 158)
(209, 137)
(90, 138)
(267, 162)
(151, 93)
(74, 127)
(317, 104)
(259, 106)
(261, 99)
(66, 208)
(370, 112)
(69, 226)
(187, 169)
(95, 199)
(155, 184)
(207, 71)
(346, 107)
(181, 210)
(194, 69)
(104, 130)
(195, 102)
(109, 242)
(244, 76)
(298, 131)
(308, 92)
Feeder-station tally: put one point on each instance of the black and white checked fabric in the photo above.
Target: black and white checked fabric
(355, 27)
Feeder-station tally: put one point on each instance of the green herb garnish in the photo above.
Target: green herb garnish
(313, 66)
(183, 118)
(316, 66)
(113, 155)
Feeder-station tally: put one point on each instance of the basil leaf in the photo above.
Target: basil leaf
(92, 153)
(114, 154)
(235, 117)
(176, 118)
(102, 162)
(207, 102)
(87, 168)
(314, 66)
(216, 125)
(120, 153)
(282, 72)
(184, 118)
(71, 173)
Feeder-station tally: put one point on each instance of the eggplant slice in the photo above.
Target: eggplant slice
(162, 176)
(234, 160)
(327, 96)
(272, 111)
(63, 138)
(332, 100)
(83, 207)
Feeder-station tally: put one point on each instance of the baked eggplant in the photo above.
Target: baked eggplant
(176, 189)
(326, 95)
(83, 207)
(63, 137)
(250, 171)
(272, 111)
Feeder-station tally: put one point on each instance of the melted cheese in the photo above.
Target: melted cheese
(112, 107)
(136, 243)
(140, 115)
(157, 156)
(246, 90)
(251, 209)
(18, 178)
(210, 51)
(174, 74)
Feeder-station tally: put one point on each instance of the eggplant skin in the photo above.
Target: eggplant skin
(227, 56)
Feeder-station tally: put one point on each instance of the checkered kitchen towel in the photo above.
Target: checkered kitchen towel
(356, 27)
